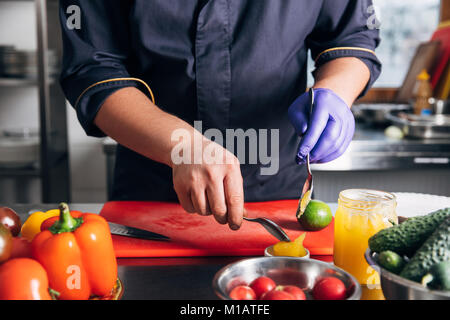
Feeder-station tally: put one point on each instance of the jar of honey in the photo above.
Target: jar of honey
(361, 213)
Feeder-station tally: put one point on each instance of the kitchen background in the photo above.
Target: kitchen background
(373, 161)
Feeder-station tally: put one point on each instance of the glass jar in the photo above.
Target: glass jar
(361, 213)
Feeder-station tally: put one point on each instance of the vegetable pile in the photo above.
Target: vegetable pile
(61, 255)
(264, 288)
(417, 249)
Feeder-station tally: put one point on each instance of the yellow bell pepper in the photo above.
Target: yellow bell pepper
(32, 226)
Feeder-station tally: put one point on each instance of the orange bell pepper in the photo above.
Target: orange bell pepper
(78, 254)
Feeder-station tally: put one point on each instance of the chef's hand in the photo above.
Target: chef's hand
(328, 131)
(212, 188)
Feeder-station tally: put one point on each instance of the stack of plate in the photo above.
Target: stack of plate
(24, 64)
(19, 148)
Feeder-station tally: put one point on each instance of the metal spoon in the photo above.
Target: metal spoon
(308, 186)
(271, 227)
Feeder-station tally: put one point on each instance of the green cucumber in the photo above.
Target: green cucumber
(436, 249)
(438, 277)
(407, 237)
(391, 261)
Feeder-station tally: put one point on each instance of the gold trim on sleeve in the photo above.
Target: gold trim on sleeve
(344, 48)
(114, 80)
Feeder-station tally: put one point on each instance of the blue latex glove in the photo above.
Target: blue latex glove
(327, 132)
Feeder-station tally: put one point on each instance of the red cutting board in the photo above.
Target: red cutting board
(193, 235)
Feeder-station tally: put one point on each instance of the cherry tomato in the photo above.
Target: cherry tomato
(242, 293)
(262, 285)
(10, 219)
(23, 279)
(6, 243)
(295, 291)
(276, 294)
(329, 289)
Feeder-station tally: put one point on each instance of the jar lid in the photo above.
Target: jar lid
(366, 198)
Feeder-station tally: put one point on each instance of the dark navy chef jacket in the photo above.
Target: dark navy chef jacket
(229, 63)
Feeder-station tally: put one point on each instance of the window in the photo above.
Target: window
(404, 25)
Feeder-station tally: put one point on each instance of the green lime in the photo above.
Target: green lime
(317, 216)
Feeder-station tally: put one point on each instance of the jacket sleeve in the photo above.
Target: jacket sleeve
(345, 28)
(95, 56)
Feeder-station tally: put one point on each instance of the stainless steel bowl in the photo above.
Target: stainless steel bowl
(375, 114)
(284, 271)
(397, 288)
(422, 127)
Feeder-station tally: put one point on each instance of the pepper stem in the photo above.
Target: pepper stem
(66, 222)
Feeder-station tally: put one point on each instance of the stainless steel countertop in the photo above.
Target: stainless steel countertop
(372, 150)
(157, 278)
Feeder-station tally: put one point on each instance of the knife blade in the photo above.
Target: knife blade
(126, 231)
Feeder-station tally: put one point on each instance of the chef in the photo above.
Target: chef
(139, 71)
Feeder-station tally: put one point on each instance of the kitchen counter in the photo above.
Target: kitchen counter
(373, 161)
(369, 150)
(372, 150)
(159, 278)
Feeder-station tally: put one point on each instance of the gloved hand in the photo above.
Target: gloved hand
(327, 132)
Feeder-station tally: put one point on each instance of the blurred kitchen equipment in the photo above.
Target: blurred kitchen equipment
(308, 186)
(422, 94)
(397, 288)
(425, 58)
(375, 114)
(271, 227)
(24, 64)
(439, 106)
(422, 126)
(439, 77)
(19, 148)
(4, 48)
(284, 271)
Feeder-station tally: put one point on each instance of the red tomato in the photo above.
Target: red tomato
(330, 289)
(23, 279)
(295, 291)
(262, 285)
(242, 293)
(277, 294)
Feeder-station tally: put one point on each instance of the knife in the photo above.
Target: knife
(121, 230)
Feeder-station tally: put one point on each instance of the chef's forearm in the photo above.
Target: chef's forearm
(347, 77)
(129, 117)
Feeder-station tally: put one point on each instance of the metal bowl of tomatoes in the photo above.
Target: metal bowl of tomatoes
(263, 278)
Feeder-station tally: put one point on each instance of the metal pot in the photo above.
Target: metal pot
(439, 106)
